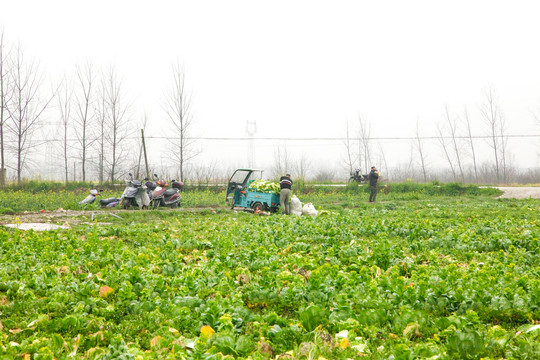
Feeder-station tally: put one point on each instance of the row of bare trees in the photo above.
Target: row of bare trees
(361, 151)
(96, 128)
(96, 116)
(105, 129)
(22, 105)
(455, 145)
(90, 119)
(95, 124)
(458, 146)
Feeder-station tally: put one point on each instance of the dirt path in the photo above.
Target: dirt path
(518, 192)
(74, 217)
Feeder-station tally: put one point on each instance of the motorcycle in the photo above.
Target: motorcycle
(134, 195)
(162, 196)
(358, 177)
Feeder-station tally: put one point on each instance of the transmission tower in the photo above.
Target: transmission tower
(251, 130)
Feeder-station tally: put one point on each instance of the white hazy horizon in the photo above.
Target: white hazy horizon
(303, 69)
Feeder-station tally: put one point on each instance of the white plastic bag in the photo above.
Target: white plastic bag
(296, 206)
(310, 210)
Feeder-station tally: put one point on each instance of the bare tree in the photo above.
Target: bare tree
(420, 149)
(400, 172)
(64, 106)
(503, 146)
(409, 167)
(282, 161)
(100, 110)
(364, 133)
(452, 126)
(178, 110)
(382, 161)
(211, 170)
(471, 143)
(84, 97)
(4, 100)
(204, 174)
(199, 171)
(26, 107)
(442, 141)
(490, 113)
(115, 121)
(350, 159)
(301, 167)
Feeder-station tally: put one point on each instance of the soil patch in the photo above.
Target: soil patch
(36, 226)
(69, 218)
(520, 192)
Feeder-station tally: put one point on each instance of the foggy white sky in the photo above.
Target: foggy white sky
(303, 68)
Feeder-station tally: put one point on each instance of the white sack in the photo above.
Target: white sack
(296, 206)
(310, 210)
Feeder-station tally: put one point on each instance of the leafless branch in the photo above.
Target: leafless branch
(490, 113)
(177, 109)
(419, 148)
(452, 126)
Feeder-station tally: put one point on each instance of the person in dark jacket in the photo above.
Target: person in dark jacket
(285, 184)
(373, 177)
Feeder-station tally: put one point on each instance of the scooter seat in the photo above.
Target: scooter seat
(150, 185)
(105, 202)
(131, 192)
(170, 192)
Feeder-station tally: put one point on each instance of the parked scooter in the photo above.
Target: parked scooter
(134, 195)
(90, 198)
(109, 202)
(358, 177)
(151, 186)
(162, 196)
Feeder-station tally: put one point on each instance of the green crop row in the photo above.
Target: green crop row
(451, 279)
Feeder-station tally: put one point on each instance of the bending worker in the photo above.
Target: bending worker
(285, 184)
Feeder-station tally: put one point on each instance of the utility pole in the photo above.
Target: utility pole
(251, 130)
(145, 157)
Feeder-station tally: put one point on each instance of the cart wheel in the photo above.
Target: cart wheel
(257, 207)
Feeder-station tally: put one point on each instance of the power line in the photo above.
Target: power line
(304, 138)
(350, 138)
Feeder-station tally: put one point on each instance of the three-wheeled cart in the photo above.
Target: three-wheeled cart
(241, 195)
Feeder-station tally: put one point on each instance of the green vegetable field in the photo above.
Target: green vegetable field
(441, 278)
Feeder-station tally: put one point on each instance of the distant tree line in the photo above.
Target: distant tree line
(87, 124)
(95, 130)
(456, 144)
